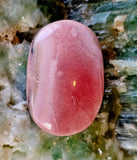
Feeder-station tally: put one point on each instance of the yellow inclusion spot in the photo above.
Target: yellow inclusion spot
(74, 83)
(54, 143)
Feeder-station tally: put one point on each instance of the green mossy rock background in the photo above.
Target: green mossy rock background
(113, 134)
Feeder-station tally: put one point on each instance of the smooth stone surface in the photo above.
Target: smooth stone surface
(65, 78)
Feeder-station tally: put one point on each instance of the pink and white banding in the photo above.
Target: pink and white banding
(65, 78)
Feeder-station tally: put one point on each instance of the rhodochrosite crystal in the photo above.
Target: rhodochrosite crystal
(64, 78)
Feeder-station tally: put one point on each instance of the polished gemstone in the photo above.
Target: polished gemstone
(65, 78)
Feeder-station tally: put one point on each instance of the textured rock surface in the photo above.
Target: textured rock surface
(19, 136)
(18, 16)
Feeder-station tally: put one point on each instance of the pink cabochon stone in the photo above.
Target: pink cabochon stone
(65, 78)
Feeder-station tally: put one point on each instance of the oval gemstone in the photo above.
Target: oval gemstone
(65, 78)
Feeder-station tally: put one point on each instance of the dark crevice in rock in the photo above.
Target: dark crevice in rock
(54, 10)
(2, 87)
(28, 36)
(7, 146)
(11, 102)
